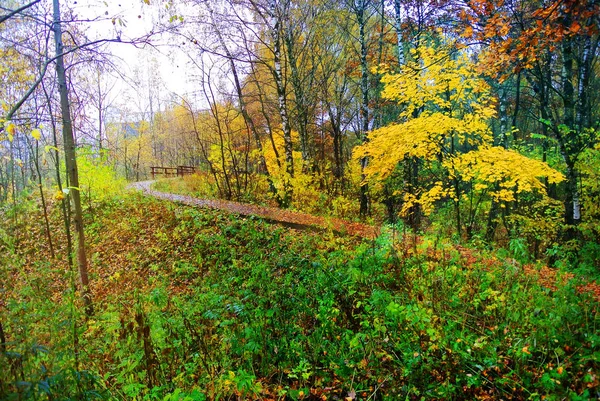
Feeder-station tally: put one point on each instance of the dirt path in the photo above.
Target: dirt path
(285, 217)
(547, 277)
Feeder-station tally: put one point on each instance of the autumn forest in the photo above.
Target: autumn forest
(299, 200)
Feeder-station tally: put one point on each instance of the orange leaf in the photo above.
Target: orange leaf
(468, 33)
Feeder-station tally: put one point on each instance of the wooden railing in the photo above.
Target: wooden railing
(185, 170)
(178, 171)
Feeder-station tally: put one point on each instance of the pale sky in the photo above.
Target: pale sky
(137, 20)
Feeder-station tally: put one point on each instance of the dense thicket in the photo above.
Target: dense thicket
(470, 120)
(195, 304)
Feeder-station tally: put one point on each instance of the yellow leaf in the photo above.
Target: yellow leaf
(10, 131)
(36, 134)
(59, 195)
(468, 32)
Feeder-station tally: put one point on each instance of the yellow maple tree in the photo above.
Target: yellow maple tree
(445, 111)
(444, 105)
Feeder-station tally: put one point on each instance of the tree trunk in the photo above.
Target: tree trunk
(71, 162)
(398, 28)
(492, 222)
(63, 204)
(567, 84)
(277, 17)
(300, 97)
(567, 139)
(100, 113)
(42, 196)
(584, 112)
(572, 203)
(364, 106)
(285, 123)
(503, 137)
(517, 106)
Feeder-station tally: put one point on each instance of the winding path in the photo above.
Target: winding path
(285, 217)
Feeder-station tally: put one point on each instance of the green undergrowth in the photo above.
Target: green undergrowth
(203, 305)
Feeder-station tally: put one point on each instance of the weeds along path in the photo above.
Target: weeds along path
(549, 278)
(287, 218)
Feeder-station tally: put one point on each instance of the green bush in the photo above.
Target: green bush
(234, 308)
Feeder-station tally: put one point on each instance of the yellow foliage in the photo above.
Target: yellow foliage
(274, 163)
(302, 183)
(445, 108)
(97, 179)
(36, 134)
(59, 195)
(439, 80)
(434, 194)
(512, 172)
(16, 72)
(443, 99)
(10, 129)
(422, 137)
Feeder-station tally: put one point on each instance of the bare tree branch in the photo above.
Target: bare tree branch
(17, 11)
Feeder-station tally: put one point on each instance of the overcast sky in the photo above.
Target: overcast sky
(136, 20)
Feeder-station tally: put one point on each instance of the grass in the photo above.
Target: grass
(203, 305)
